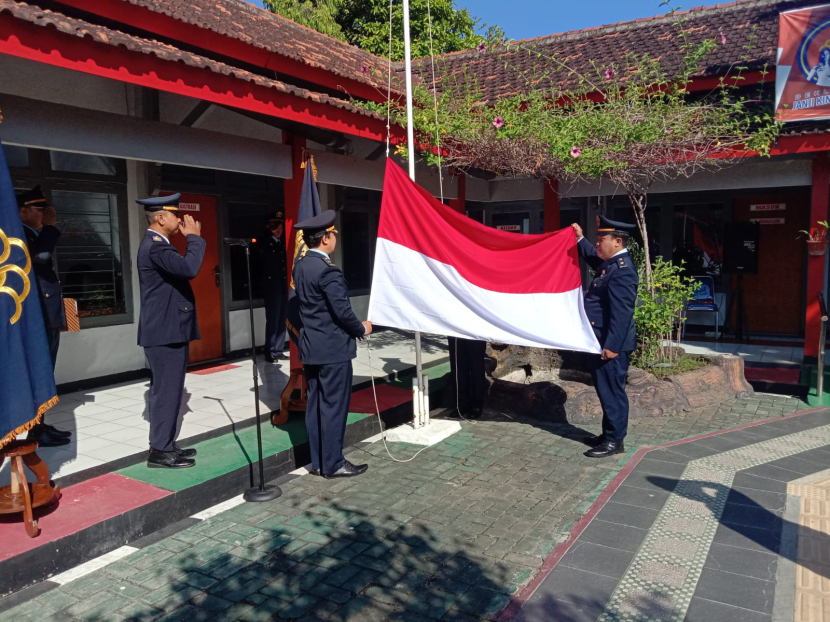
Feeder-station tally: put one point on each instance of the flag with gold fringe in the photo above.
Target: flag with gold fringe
(27, 384)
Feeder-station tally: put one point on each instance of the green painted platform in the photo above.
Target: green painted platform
(809, 373)
(228, 453)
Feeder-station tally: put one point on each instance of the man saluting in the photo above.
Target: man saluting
(327, 346)
(167, 323)
(609, 305)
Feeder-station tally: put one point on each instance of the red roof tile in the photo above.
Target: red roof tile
(749, 26)
(100, 34)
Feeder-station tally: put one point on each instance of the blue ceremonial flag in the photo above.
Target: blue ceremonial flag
(309, 208)
(27, 383)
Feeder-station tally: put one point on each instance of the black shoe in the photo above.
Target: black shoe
(168, 460)
(184, 453)
(55, 431)
(594, 441)
(474, 413)
(271, 360)
(314, 471)
(348, 470)
(45, 438)
(608, 448)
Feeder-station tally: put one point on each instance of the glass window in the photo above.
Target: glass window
(625, 213)
(697, 235)
(245, 220)
(358, 249)
(247, 182)
(17, 157)
(82, 163)
(88, 254)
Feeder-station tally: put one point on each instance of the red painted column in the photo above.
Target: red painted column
(815, 265)
(552, 204)
(460, 204)
(292, 188)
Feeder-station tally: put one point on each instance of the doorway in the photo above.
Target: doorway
(207, 284)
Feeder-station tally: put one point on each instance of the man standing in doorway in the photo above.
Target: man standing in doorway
(39, 223)
(609, 305)
(327, 346)
(168, 321)
(274, 281)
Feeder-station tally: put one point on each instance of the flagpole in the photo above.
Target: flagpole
(410, 146)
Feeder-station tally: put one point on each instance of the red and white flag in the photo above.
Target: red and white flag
(437, 271)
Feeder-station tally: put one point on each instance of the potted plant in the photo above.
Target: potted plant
(817, 238)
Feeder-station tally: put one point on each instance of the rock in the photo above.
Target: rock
(703, 387)
(534, 361)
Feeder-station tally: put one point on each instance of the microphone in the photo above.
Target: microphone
(240, 241)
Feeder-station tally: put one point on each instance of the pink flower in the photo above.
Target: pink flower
(482, 46)
(364, 68)
(722, 38)
(576, 152)
(498, 122)
(669, 130)
(609, 73)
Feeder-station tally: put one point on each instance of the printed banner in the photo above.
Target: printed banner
(802, 76)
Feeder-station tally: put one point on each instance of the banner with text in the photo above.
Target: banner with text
(802, 77)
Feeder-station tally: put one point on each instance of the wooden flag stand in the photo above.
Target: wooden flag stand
(287, 405)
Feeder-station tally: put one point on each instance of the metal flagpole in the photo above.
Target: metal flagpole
(410, 145)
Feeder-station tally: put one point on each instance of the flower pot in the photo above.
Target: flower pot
(817, 247)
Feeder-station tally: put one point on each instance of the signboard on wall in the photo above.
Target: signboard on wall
(768, 207)
(768, 221)
(509, 227)
(189, 207)
(802, 75)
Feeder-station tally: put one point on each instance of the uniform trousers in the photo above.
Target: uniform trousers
(168, 366)
(467, 365)
(329, 393)
(53, 336)
(276, 311)
(609, 379)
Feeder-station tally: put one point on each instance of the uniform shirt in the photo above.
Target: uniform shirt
(611, 297)
(168, 306)
(41, 245)
(273, 265)
(329, 326)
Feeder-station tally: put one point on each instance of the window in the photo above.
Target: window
(246, 220)
(89, 194)
(698, 237)
(81, 163)
(88, 254)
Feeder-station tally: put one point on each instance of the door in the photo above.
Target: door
(206, 284)
(774, 297)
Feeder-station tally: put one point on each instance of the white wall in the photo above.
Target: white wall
(108, 350)
(239, 327)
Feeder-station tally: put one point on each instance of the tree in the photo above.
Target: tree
(365, 23)
(631, 123)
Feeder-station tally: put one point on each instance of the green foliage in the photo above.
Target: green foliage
(682, 364)
(365, 23)
(659, 309)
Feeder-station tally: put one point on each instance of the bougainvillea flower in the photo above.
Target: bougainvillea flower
(576, 152)
(669, 130)
(498, 122)
(482, 46)
(722, 38)
(364, 68)
(609, 73)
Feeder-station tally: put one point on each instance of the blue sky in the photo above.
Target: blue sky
(522, 19)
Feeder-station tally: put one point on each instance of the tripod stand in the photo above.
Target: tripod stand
(262, 492)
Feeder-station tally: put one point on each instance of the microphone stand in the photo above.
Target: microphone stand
(260, 493)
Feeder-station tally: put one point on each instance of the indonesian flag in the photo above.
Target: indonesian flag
(437, 271)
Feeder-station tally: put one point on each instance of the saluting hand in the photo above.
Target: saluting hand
(190, 226)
